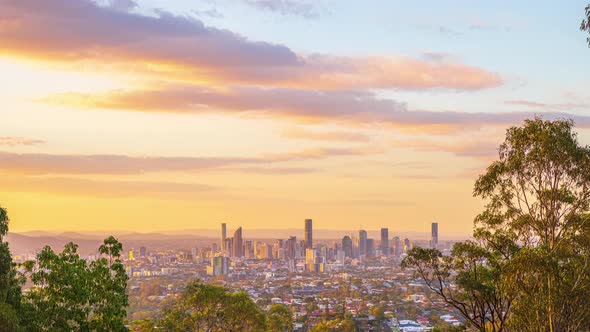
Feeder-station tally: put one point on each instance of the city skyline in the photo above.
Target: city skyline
(155, 115)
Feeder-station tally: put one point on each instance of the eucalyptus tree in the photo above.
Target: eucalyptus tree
(585, 26)
(528, 265)
(70, 294)
(10, 282)
(210, 308)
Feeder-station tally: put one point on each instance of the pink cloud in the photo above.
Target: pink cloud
(343, 106)
(183, 48)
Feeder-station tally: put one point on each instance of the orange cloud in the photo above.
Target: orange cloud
(183, 48)
(344, 106)
(476, 148)
(14, 141)
(298, 133)
(103, 188)
(40, 163)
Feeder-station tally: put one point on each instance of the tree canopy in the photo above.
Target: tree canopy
(585, 26)
(527, 267)
(68, 293)
(211, 308)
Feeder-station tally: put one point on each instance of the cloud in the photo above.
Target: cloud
(182, 48)
(476, 148)
(16, 141)
(549, 106)
(306, 9)
(298, 133)
(345, 106)
(101, 188)
(39, 163)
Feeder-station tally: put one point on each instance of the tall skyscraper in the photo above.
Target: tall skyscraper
(397, 247)
(385, 241)
(238, 244)
(292, 247)
(308, 234)
(347, 246)
(370, 248)
(434, 235)
(223, 236)
(362, 242)
(143, 252)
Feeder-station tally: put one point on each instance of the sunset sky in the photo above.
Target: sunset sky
(161, 115)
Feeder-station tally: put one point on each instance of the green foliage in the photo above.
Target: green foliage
(585, 26)
(72, 295)
(527, 268)
(68, 294)
(379, 313)
(10, 282)
(212, 308)
(448, 328)
(280, 319)
(8, 319)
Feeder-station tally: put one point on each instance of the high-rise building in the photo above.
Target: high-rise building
(434, 235)
(347, 246)
(370, 248)
(362, 242)
(308, 234)
(142, 251)
(292, 247)
(223, 236)
(238, 244)
(219, 266)
(385, 241)
(397, 246)
(407, 245)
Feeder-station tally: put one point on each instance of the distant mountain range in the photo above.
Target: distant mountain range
(88, 242)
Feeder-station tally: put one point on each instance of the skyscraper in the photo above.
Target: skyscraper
(370, 248)
(347, 246)
(397, 247)
(238, 244)
(385, 241)
(223, 236)
(308, 234)
(292, 247)
(362, 242)
(434, 235)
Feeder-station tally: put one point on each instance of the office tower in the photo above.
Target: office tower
(347, 246)
(362, 242)
(397, 246)
(407, 245)
(223, 236)
(142, 251)
(308, 234)
(131, 258)
(312, 261)
(434, 235)
(265, 251)
(229, 246)
(292, 247)
(249, 251)
(310, 256)
(238, 244)
(385, 241)
(370, 248)
(219, 266)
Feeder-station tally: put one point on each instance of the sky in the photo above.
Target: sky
(167, 115)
